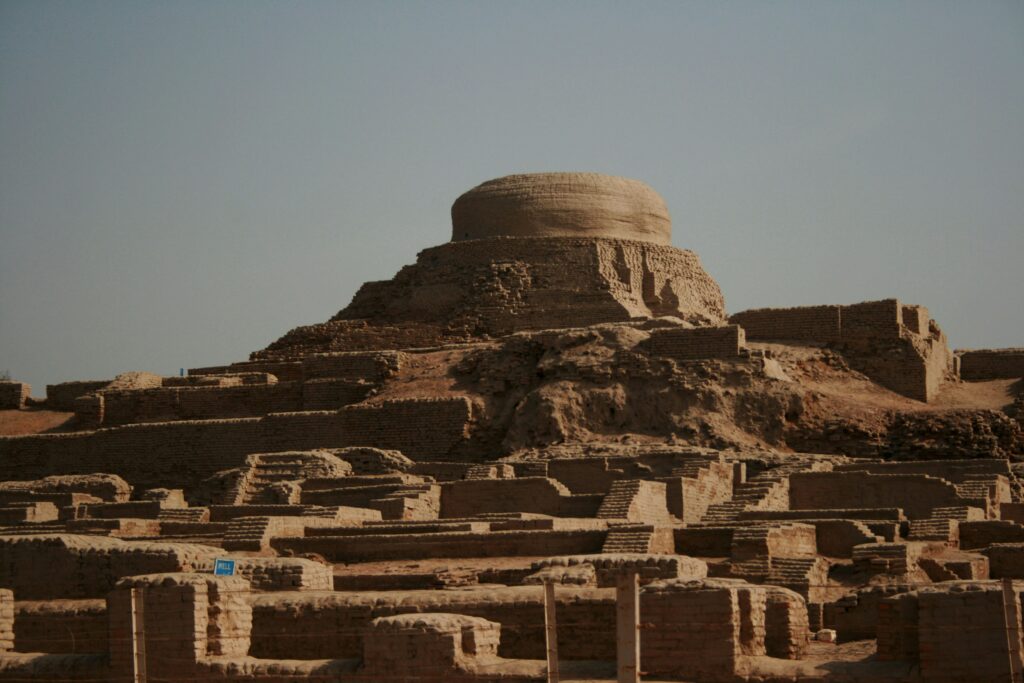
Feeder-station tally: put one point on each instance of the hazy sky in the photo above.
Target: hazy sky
(183, 182)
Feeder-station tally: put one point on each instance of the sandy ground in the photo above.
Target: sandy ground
(31, 421)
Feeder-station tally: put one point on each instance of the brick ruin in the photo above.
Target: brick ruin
(550, 415)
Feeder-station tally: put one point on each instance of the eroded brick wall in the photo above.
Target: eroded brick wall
(992, 364)
(179, 454)
(916, 494)
(807, 323)
(331, 625)
(62, 396)
(13, 395)
(680, 343)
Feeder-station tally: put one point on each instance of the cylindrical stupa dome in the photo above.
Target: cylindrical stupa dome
(562, 205)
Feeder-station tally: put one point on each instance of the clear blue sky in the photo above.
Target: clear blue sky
(182, 182)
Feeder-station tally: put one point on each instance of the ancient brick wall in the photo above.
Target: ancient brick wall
(329, 625)
(975, 535)
(916, 494)
(915, 319)
(704, 541)
(680, 343)
(199, 403)
(284, 370)
(179, 454)
(804, 323)
(331, 394)
(201, 616)
(872, 319)
(68, 626)
(86, 566)
(13, 395)
(1005, 560)
(464, 544)
(372, 366)
(62, 396)
(700, 631)
(481, 496)
(6, 620)
(786, 623)
(991, 364)
(713, 485)
(961, 634)
(911, 359)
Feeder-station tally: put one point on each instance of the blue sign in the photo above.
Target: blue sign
(224, 568)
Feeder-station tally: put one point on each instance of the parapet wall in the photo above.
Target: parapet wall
(805, 323)
(828, 324)
(991, 364)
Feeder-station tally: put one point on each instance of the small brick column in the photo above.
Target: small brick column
(186, 618)
(6, 620)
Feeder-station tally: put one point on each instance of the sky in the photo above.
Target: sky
(182, 182)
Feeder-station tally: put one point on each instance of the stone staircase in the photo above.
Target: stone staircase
(490, 471)
(805, 575)
(619, 499)
(256, 484)
(755, 494)
(189, 515)
(941, 526)
(247, 533)
(254, 533)
(628, 538)
(396, 496)
(269, 469)
(975, 489)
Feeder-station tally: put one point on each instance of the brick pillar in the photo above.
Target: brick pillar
(6, 620)
(186, 618)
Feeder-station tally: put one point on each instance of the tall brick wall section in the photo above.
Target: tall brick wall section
(76, 626)
(332, 625)
(370, 366)
(454, 544)
(199, 403)
(915, 319)
(700, 630)
(200, 617)
(805, 323)
(916, 494)
(680, 343)
(712, 485)
(179, 454)
(13, 395)
(874, 319)
(288, 370)
(62, 396)
(991, 364)
(87, 566)
(956, 632)
(827, 324)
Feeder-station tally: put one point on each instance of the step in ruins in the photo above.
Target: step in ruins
(552, 414)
